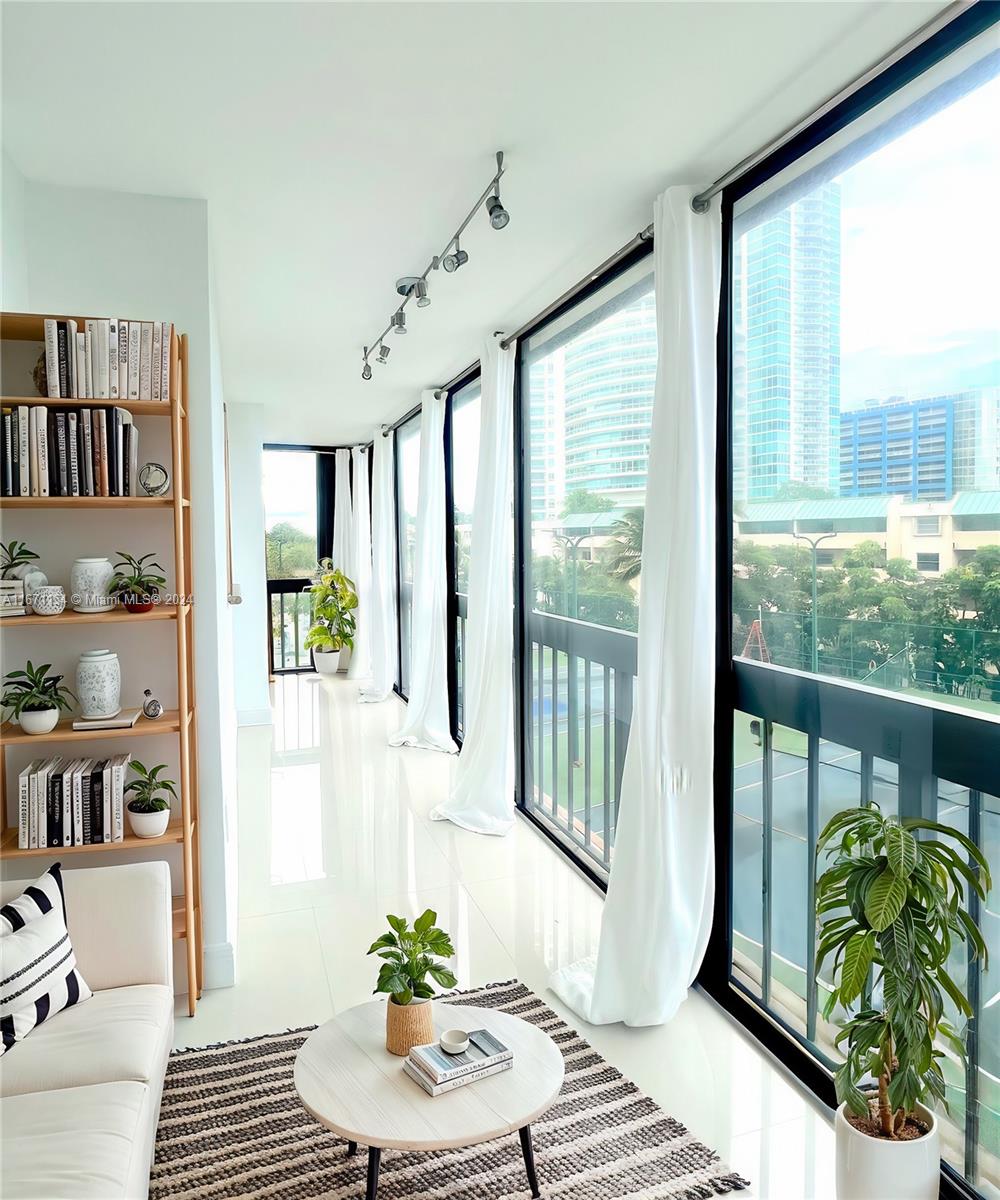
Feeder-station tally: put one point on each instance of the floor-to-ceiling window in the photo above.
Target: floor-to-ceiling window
(463, 445)
(586, 380)
(862, 327)
(407, 487)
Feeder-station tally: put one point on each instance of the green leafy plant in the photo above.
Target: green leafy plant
(145, 788)
(334, 605)
(408, 958)
(135, 579)
(890, 906)
(14, 554)
(35, 690)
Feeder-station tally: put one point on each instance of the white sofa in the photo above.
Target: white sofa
(80, 1096)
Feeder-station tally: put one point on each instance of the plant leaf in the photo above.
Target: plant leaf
(858, 955)
(885, 899)
(900, 849)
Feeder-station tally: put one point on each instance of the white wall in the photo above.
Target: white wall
(89, 251)
(14, 275)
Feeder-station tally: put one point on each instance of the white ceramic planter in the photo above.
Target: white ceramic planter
(49, 600)
(327, 661)
(149, 825)
(39, 722)
(878, 1169)
(88, 584)
(99, 684)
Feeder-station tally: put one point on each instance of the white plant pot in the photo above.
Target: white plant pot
(327, 661)
(149, 825)
(39, 722)
(878, 1169)
(48, 601)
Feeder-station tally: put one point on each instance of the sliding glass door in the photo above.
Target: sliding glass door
(860, 659)
(586, 381)
(462, 462)
(407, 489)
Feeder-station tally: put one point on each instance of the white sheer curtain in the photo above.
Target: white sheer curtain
(343, 526)
(384, 646)
(361, 659)
(482, 795)
(658, 910)
(427, 721)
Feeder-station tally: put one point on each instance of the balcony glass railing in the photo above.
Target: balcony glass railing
(291, 616)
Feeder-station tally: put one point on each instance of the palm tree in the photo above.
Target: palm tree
(627, 532)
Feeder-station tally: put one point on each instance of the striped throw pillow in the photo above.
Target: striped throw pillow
(38, 975)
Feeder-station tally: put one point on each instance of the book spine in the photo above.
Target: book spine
(42, 438)
(63, 461)
(118, 413)
(438, 1089)
(157, 359)
(102, 451)
(86, 800)
(53, 833)
(90, 345)
(62, 349)
(112, 433)
(113, 358)
(34, 481)
(118, 801)
(25, 790)
(123, 376)
(53, 432)
(23, 451)
(436, 1075)
(87, 451)
(134, 332)
(37, 781)
(81, 366)
(52, 358)
(97, 803)
(126, 459)
(78, 805)
(107, 795)
(102, 367)
(66, 829)
(133, 450)
(72, 450)
(146, 361)
(8, 455)
(168, 334)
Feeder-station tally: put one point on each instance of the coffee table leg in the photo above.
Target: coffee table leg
(352, 1149)
(374, 1159)
(529, 1160)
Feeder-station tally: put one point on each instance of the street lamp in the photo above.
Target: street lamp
(813, 543)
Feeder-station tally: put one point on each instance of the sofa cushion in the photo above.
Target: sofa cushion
(76, 1144)
(121, 1034)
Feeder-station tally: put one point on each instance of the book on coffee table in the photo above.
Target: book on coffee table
(484, 1051)
(438, 1089)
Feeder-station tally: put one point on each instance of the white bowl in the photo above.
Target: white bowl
(454, 1041)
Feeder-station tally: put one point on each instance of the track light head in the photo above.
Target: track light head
(420, 291)
(366, 371)
(457, 258)
(383, 353)
(499, 216)
(398, 321)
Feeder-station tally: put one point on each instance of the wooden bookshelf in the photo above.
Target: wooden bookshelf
(179, 722)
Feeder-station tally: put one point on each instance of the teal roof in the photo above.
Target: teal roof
(975, 504)
(838, 507)
(584, 522)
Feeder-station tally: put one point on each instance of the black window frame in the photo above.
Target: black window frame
(413, 416)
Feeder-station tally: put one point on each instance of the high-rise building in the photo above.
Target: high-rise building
(977, 440)
(786, 317)
(545, 433)
(899, 448)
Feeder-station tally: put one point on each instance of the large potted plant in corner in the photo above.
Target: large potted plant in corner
(35, 697)
(408, 957)
(890, 906)
(334, 620)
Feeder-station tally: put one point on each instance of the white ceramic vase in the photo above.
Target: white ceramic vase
(327, 661)
(88, 584)
(48, 601)
(99, 684)
(879, 1169)
(149, 825)
(39, 722)
(31, 576)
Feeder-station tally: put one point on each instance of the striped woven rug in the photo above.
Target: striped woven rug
(231, 1124)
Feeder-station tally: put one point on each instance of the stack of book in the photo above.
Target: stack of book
(72, 452)
(438, 1072)
(71, 802)
(108, 359)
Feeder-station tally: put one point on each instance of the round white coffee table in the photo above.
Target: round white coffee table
(350, 1083)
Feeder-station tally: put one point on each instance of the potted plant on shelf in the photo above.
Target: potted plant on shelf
(334, 622)
(36, 698)
(149, 808)
(135, 584)
(891, 905)
(408, 957)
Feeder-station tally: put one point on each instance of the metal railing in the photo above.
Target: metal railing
(290, 617)
(805, 748)
(577, 701)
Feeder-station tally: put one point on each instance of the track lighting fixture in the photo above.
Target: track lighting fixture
(414, 287)
(457, 258)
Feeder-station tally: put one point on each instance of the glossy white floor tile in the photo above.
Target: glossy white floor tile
(335, 831)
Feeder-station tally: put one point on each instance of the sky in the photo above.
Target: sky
(290, 489)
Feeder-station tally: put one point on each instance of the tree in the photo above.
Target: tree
(290, 552)
(626, 563)
(583, 501)
(795, 489)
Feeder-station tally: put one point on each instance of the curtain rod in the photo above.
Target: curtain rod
(701, 202)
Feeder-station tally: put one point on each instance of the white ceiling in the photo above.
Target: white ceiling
(339, 145)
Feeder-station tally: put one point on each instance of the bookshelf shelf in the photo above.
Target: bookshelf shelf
(180, 722)
(115, 616)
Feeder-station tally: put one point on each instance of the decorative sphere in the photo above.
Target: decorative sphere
(153, 479)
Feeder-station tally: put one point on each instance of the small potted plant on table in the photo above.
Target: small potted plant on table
(149, 808)
(36, 698)
(135, 584)
(408, 958)
(890, 907)
(334, 620)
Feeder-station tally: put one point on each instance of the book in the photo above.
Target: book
(8, 454)
(133, 459)
(52, 358)
(438, 1089)
(123, 376)
(90, 344)
(73, 453)
(157, 359)
(82, 766)
(53, 805)
(146, 361)
(102, 365)
(101, 452)
(168, 333)
(113, 358)
(23, 451)
(25, 791)
(66, 814)
(124, 720)
(107, 786)
(87, 452)
(119, 771)
(112, 451)
(133, 360)
(34, 481)
(62, 350)
(484, 1050)
(86, 800)
(42, 438)
(97, 802)
(80, 377)
(119, 415)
